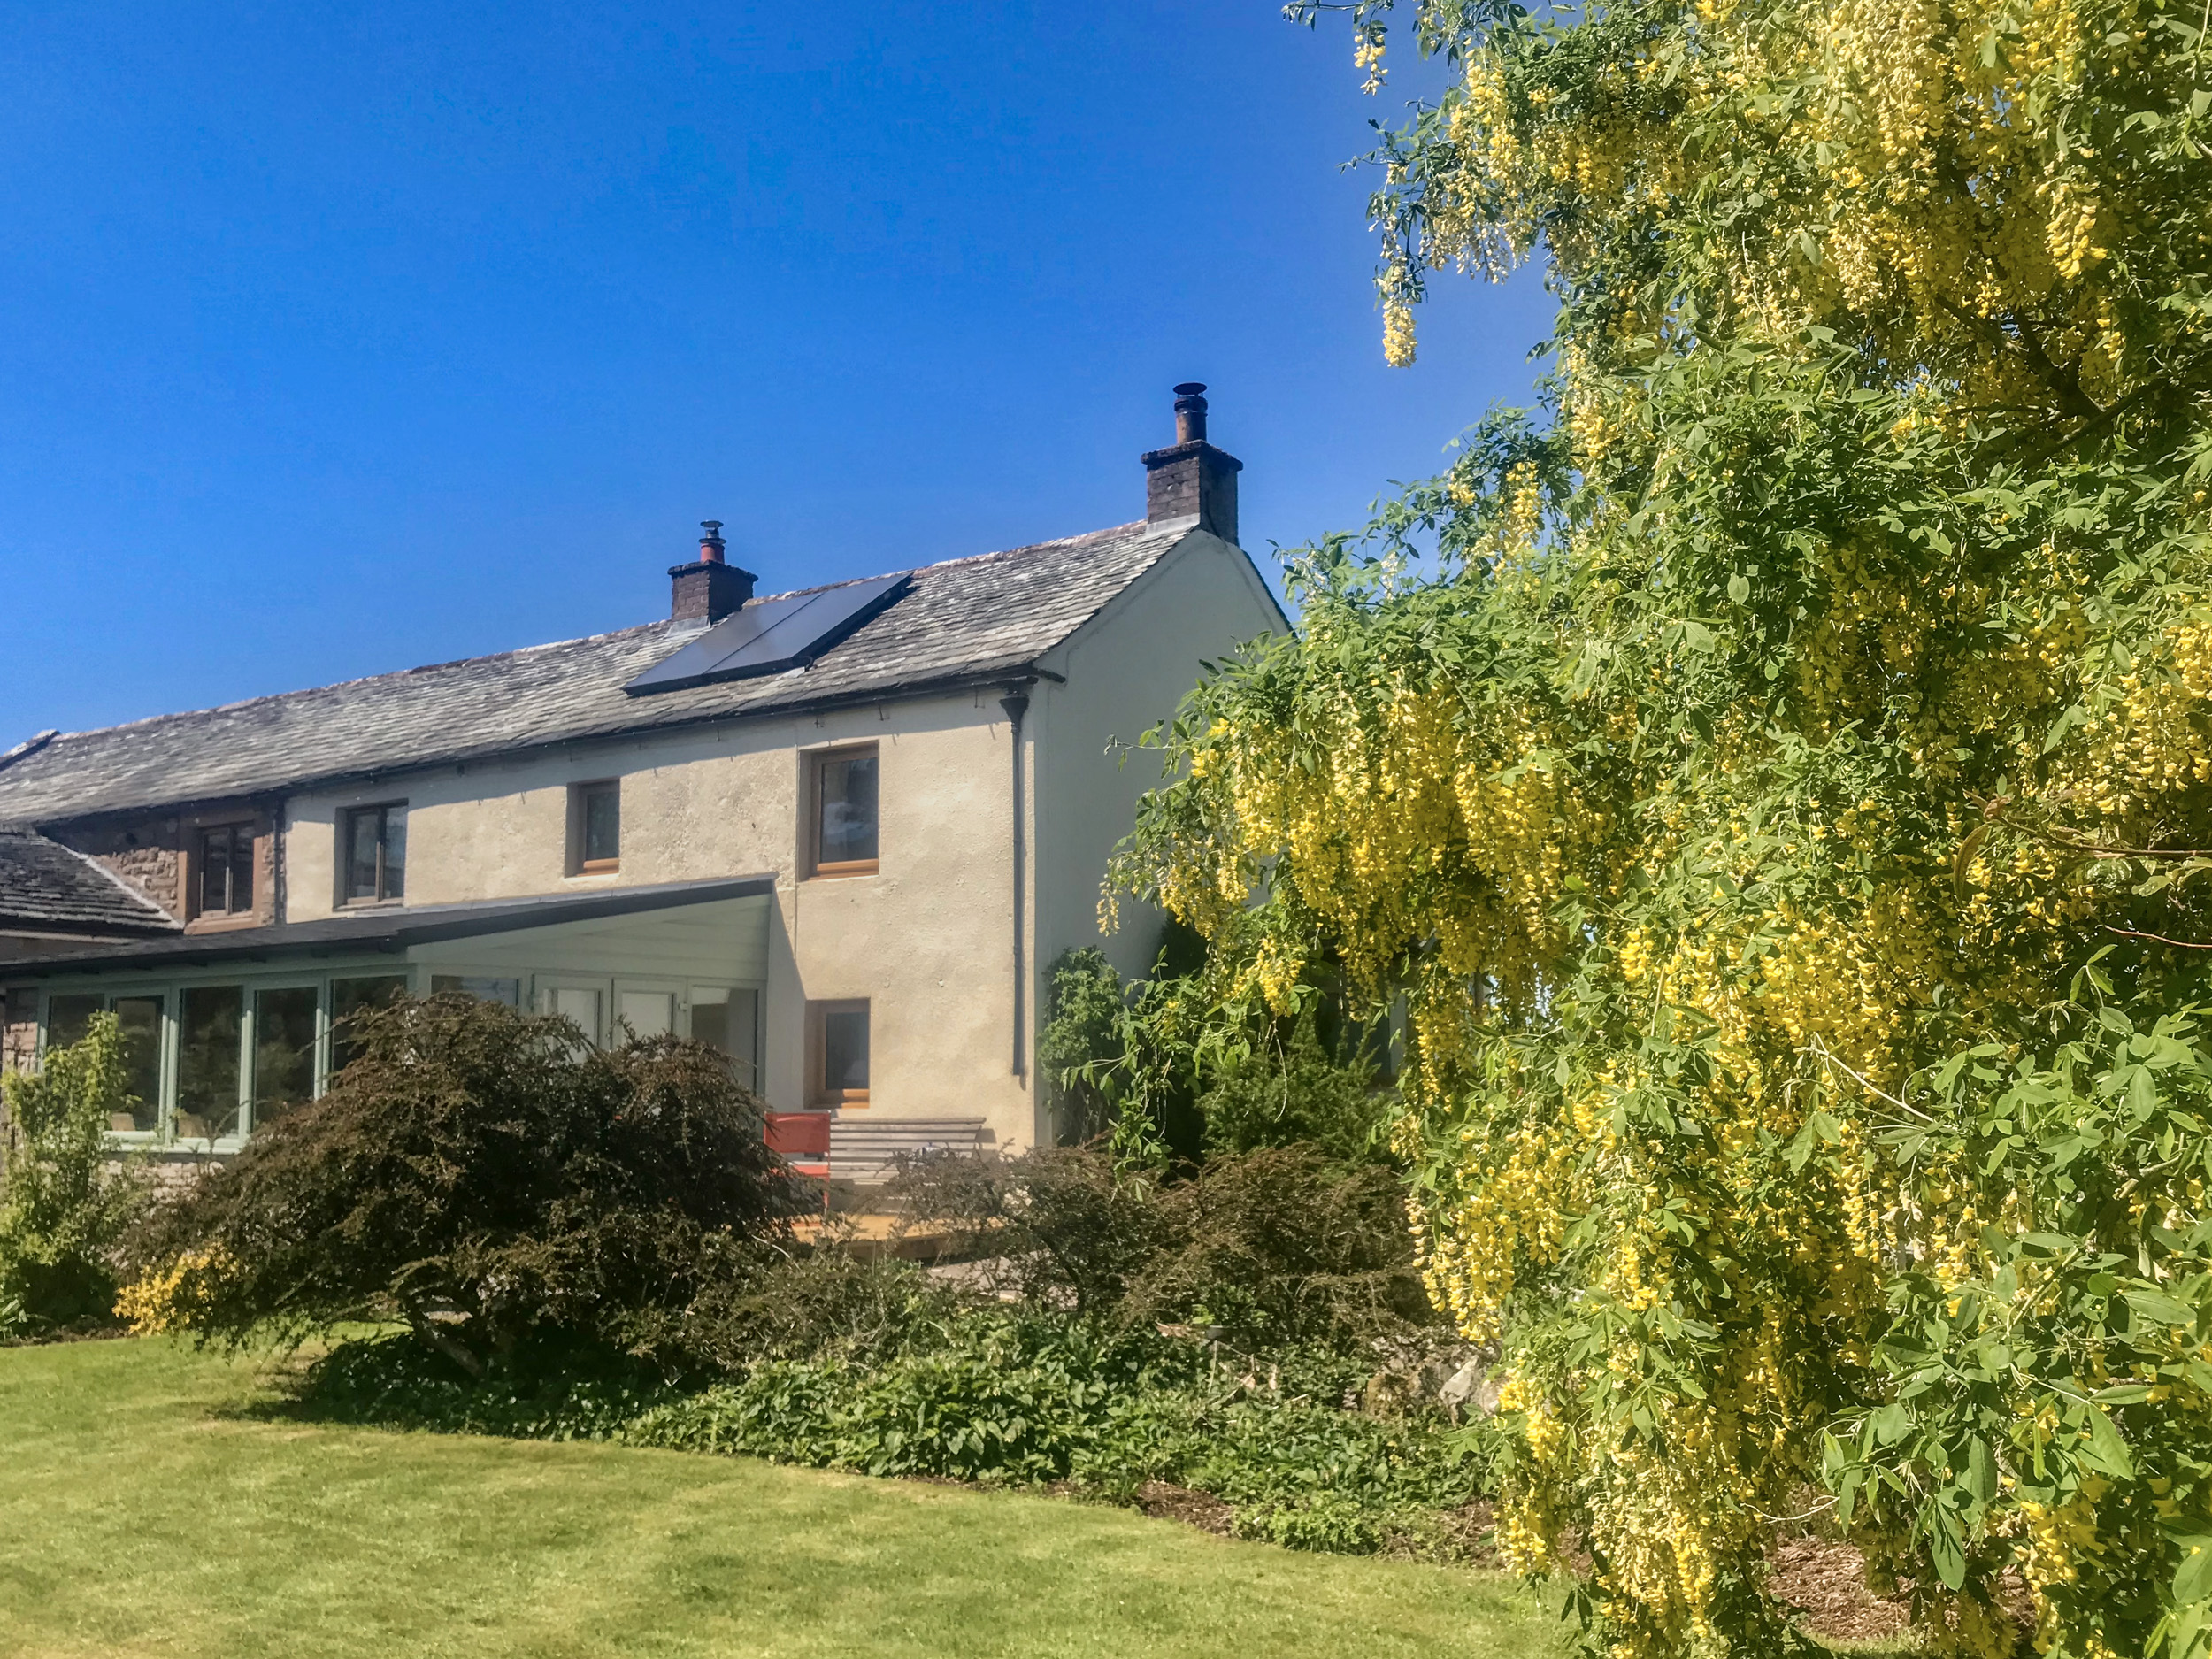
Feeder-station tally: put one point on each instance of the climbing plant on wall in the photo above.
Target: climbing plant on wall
(1777, 776)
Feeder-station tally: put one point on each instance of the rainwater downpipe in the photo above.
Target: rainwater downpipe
(1016, 702)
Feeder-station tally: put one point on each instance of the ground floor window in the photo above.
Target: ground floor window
(140, 1016)
(349, 997)
(838, 1039)
(647, 1013)
(285, 1019)
(69, 1016)
(209, 1063)
(722, 1017)
(583, 1003)
(487, 987)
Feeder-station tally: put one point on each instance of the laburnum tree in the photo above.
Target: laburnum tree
(1775, 779)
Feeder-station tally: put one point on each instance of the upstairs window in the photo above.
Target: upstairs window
(843, 829)
(594, 829)
(227, 871)
(375, 854)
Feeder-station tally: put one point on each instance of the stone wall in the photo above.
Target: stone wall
(18, 1047)
(19, 1029)
(148, 853)
(155, 856)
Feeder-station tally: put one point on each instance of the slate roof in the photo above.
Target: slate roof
(45, 888)
(961, 620)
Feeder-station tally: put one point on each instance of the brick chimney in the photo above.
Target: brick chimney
(1192, 476)
(708, 589)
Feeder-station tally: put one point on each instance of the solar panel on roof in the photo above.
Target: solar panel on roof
(771, 635)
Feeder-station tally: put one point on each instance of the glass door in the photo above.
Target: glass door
(211, 1070)
(647, 1013)
(583, 1000)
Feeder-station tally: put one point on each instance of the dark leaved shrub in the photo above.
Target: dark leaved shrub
(800, 1304)
(1057, 1226)
(490, 1179)
(1280, 1245)
(1283, 1245)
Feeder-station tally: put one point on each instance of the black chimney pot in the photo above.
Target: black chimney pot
(1190, 412)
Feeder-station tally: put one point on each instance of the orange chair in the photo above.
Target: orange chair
(803, 1139)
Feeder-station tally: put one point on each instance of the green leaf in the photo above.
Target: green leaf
(1981, 1472)
(2107, 1451)
(2156, 1307)
(2193, 1579)
(1945, 1545)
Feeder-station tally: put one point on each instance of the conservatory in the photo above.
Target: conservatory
(225, 1032)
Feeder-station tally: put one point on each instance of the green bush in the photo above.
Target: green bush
(491, 1180)
(991, 1396)
(1279, 1245)
(1173, 1073)
(1082, 1030)
(65, 1201)
(1296, 1090)
(813, 1302)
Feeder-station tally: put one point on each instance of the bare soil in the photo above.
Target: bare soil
(1825, 1580)
(1200, 1509)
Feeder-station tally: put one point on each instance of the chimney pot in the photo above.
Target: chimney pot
(1190, 412)
(709, 588)
(1191, 476)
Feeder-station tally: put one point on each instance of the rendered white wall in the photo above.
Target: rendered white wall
(926, 941)
(1126, 670)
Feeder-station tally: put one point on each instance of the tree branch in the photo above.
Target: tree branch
(2129, 933)
(443, 1341)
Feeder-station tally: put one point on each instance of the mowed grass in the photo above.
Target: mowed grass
(147, 1507)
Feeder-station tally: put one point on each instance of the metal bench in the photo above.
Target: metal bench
(864, 1150)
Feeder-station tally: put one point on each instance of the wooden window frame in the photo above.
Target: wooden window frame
(818, 1095)
(578, 795)
(348, 900)
(195, 867)
(817, 762)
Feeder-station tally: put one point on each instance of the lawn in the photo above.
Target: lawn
(147, 1506)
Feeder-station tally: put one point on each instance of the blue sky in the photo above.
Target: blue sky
(345, 338)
